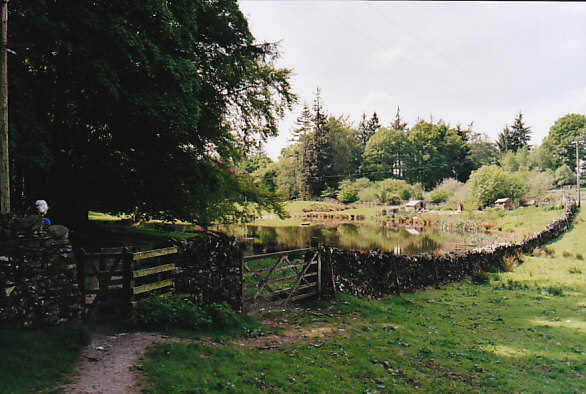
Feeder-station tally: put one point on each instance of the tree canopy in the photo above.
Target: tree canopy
(561, 137)
(139, 106)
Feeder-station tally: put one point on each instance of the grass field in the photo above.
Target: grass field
(523, 331)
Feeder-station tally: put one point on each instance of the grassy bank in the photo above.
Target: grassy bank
(523, 331)
(33, 360)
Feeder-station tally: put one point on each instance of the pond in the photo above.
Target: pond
(354, 236)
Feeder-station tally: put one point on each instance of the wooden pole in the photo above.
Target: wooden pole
(4, 169)
(578, 170)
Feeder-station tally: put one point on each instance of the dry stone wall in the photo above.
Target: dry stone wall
(376, 273)
(38, 284)
(208, 269)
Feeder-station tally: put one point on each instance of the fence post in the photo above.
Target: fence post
(319, 271)
(241, 257)
(332, 278)
(81, 275)
(127, 280)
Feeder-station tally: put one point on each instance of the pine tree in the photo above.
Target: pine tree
(314, 153)
(520, 132)
(398, 123)
(505, 140)
(303, 122)
(362, 132)
(515, 137)
(373, 124)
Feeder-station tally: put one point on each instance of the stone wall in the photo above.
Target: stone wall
(208, 269)
(38, 284)
(375, 273)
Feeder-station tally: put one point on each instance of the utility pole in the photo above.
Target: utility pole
(578, 170)
(4, 167)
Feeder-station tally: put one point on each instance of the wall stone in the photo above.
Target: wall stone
(38, 284)
(208, 269)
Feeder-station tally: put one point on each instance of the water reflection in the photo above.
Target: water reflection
(349, 236)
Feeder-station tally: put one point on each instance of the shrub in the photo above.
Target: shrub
(575, 270)
(480, 277)
(579, 256)
(348, 194)
(222, 315)
(439, 195)
(564, 175)
(489, 183)
(565, 253)
(510, 262)
(368, 194)
(165, 313)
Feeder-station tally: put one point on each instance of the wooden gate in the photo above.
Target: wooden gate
(113, 278)
(281, 277)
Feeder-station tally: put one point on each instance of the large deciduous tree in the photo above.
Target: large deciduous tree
(138, 106)
(560, 140)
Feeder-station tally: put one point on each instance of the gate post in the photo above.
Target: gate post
(127, 281)
(241, 258)
(319, 253)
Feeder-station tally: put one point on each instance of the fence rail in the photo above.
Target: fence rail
(295, 275)
(112, 278)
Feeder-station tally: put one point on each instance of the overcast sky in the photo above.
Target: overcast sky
(460, 62)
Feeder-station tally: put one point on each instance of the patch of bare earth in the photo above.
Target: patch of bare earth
(110, 363)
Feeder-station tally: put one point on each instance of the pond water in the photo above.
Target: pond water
(351, 236)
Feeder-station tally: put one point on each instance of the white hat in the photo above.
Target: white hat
(42, 206)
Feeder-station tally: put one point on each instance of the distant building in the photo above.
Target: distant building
(506, 203)
(415, 204)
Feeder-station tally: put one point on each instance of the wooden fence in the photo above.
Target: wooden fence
(112, 279)
(281, 277)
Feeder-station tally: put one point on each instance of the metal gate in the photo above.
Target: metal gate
(278, 278)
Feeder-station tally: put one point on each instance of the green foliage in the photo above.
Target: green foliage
(150, 102)
(515, 137)
(482, 151)
(436, 151)
(560, 140)
(489, 183)
(347, 194)
(385, 154)
(564, 175)
(158, 313)
(439, 195)
(537, 183)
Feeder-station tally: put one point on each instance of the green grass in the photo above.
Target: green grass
(523, 331)
(34, 360)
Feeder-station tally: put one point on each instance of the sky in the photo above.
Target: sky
(460, 62)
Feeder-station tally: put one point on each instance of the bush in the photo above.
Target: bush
(439, 195)
(156, 313)
(348, 194)
(564, 175)
(368, 194)
(489, 183)
(480, 277)
(222, 315)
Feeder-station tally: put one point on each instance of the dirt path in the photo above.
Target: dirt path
(109, 363)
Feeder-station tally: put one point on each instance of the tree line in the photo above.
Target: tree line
(328, 154)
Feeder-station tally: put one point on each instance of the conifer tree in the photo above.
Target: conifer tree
(520, 132)
(303, 122)
(362, 131)
(398, 123)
